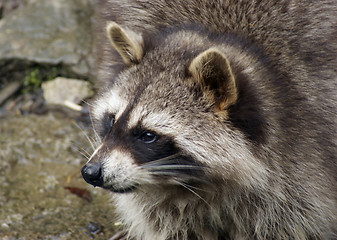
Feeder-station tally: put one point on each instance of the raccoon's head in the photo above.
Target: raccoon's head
(164, 120)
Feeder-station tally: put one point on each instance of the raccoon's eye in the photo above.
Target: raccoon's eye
(148, 137)
(104, 126)
(111, 120)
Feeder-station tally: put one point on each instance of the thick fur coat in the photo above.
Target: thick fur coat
(218, 119)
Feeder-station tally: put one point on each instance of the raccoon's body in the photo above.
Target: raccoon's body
(218, 119)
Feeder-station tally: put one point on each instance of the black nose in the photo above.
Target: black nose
(92, 174)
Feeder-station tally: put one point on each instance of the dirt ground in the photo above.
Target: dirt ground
(43, 195)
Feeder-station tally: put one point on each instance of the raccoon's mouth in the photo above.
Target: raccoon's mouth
(121, 190)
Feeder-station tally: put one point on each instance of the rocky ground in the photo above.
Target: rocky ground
(43, 141)
(43, 195)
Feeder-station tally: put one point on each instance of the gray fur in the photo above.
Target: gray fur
(264, 162)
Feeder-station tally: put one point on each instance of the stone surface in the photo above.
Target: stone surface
(7, 6)
(49, 32)
(61, 90)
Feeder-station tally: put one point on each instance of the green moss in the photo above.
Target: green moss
(37, 74)
(32, 81)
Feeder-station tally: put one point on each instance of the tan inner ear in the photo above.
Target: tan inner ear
(212, 70)
(126, 42)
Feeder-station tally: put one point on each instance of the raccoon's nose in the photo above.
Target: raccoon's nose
(92, 174)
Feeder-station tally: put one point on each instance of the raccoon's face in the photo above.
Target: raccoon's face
(141, 125)
(163, 124)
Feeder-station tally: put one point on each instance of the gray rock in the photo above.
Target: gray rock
(63, 91)
(50, 32)
(7, 6)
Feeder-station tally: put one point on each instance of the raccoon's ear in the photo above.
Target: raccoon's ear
(213, 71)
(127, 43)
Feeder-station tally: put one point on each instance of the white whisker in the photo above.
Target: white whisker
(192, 191)
(162, 160)
(86, 102)
(84, 154)
(196, 188)
(179, 176)
(97, 138)
(91, 141)
(172, 167)
(81, 150)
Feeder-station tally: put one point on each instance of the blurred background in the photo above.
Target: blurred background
(47, 71)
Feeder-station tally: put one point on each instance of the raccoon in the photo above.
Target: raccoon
(218, 119)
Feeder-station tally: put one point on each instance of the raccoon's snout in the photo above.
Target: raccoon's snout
(92, 174)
